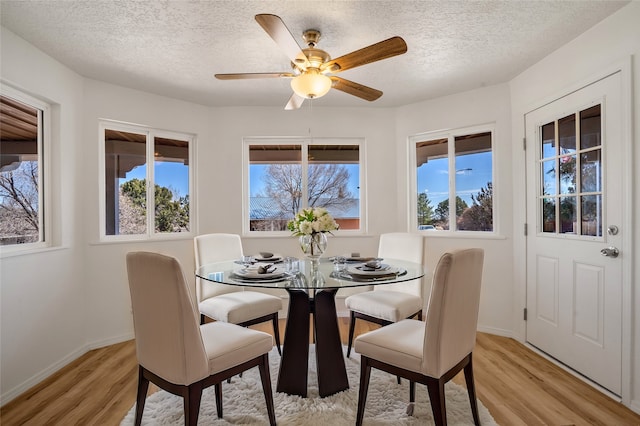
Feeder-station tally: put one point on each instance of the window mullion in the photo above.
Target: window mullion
(453, 213)
(41, 178)
(151, 219)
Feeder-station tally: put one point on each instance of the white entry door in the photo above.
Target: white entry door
(574, 217)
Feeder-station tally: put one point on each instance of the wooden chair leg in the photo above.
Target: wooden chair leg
(365, 375)
(412, 398)
(143, 387)
(471, 390)
(192, 400)
(438, 406)
(266, 388)
(218, 389)
(276, 332)
(352, 326)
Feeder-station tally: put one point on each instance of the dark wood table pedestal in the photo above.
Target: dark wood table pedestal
(332, 373)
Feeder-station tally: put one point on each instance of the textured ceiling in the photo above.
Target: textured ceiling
(174, 48)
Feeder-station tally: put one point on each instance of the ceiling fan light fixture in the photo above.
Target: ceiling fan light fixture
(311, 84)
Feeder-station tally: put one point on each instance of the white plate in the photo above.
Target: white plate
(253, 273)
(362, 271)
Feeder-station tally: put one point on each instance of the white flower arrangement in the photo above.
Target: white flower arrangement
(312, 221)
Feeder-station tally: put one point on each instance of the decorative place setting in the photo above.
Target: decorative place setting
(263, 268)
(373, 270)
(265, 256)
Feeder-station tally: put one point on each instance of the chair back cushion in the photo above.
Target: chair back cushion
(403, 246)
(452, 310)
(165, 319)
(211, 248)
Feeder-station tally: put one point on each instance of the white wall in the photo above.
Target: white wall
(602, 48)
(43, 294)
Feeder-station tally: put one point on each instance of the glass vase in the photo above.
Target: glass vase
(313, 246)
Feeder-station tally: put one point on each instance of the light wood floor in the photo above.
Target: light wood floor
(515, 384)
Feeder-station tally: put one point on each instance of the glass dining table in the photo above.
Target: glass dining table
(311, 290)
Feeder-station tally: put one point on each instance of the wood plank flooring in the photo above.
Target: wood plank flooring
(517, 386)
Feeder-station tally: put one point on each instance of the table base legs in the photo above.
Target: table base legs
(332, 373)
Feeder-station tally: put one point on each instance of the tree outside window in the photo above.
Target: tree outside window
(281, 183)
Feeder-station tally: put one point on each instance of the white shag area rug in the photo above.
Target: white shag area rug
(243, 402)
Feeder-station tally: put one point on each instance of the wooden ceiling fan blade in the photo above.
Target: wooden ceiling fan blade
(355, 89)
(250, 75)
(382, 50)
(295, 102)
(278, 31)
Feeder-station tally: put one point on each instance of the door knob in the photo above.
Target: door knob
(610, 252)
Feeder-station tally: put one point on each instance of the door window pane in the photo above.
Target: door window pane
(592, 215)
(567, 167)
(568, 217)
(549, 177)
(548, 140)
(590, 127)
(549, 215)
(591, 171)
(567, 134)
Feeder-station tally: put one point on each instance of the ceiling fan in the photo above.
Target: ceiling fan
(312, 68)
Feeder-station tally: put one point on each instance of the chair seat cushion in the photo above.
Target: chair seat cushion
(385, 304)
(228, 345)
(240, 306)
(399, 344)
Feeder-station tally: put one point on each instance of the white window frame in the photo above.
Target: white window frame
(450, 135)
(305, 143)
(150, 133)
(45, 216)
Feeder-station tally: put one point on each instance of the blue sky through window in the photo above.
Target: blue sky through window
(473, 172)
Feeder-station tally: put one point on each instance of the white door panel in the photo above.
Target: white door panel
(574, 182)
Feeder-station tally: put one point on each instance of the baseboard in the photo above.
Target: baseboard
(42, 375)
(496, 331)
(55, 367)
(110, 341)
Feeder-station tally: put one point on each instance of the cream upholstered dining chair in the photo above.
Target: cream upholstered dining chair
(228, 303)
(389, 303)
(434, 351)
(178, 354)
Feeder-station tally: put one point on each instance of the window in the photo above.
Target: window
(285, 176)
(23, 144)
(454, 180)
(571, 174)
(146, 181)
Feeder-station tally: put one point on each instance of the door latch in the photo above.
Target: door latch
(610, 252)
